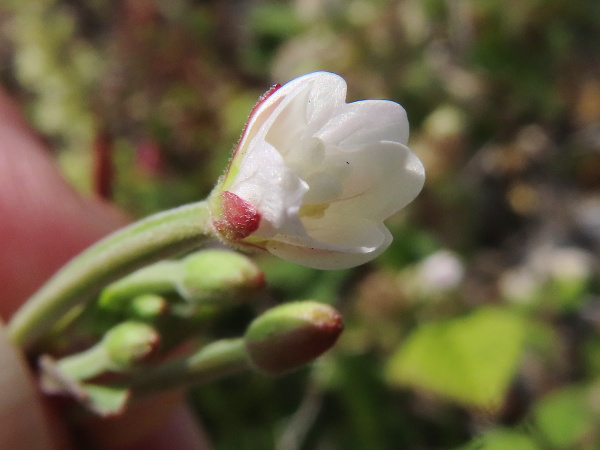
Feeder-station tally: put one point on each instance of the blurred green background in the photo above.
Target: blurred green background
(480, 326)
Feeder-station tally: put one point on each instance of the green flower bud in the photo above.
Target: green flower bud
(219, 274)
(288, 336)
(129, 343)
(148, 307)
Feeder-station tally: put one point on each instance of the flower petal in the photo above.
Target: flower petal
(327, 94)
(363, 122)
(267, 183)
(310, 102)
(330, 258)
(345, 233)
(385, 177)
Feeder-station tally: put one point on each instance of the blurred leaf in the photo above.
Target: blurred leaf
(409, 245)
(566, 294)
(275, 19)
(470, 359)
(288, 277)
(591, 356)
(301, 282)
(565, 418)
(502, 439)
(356, 382)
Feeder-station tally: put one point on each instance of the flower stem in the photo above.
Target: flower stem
(215, 360)
(85, 364)
(158, 278)
(159, 236)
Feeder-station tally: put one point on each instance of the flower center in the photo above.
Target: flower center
(314, 211)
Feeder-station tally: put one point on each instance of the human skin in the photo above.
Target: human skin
(44, 223)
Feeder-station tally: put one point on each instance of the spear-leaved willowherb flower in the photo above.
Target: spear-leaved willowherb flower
(313, 177)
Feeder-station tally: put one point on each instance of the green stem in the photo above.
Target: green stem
(86, 364)
(158, 278)
(215, 360)
(159, 236)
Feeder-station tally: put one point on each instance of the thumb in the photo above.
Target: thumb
(44, 222)
(26, 425)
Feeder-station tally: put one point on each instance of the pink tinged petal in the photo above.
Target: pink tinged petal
(261, 112)
(361, 123)
(239, 219)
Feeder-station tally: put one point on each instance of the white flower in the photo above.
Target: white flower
(313, 177)
(442, 271)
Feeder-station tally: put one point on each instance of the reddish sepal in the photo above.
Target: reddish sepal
(239, 218)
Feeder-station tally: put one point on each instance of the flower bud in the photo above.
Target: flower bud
(291, 335)
(219, 274)
(148, 306)
(129, 343)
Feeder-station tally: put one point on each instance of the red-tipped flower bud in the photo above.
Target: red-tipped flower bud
(129, 343)
(291, 335)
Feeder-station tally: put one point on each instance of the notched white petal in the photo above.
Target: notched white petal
(366, 121)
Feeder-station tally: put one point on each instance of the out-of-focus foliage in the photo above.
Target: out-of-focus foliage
(501, 439)
(480, 326)
(569, 417)
(477, 356)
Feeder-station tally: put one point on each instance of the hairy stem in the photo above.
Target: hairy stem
(159, 236)
(214, 361)
(86, 364)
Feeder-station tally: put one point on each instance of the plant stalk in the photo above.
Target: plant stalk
(214, 361)
(156, 237)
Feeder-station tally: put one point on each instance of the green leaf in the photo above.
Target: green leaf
(565, 418)
(470, 359)
(502, 439)
(274, 19)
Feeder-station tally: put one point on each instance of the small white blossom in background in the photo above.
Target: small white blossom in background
(565, 269)
(313, 177)
(569, 263)
(519, 285)
(440, 272)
